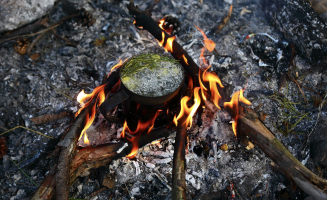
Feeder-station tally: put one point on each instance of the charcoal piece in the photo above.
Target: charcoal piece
(318, 143)
(301, 26)
(275, 57)
(109, 7)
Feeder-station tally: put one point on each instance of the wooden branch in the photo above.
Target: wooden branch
(68, 145)
(48, 186)
(93, 157)
(179, 165)
(250, 125)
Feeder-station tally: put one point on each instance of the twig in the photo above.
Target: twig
(34, 42)
(32, 34)
(26, 129)
(24, 173)
(306, 102)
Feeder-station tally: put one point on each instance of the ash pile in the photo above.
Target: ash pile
(41, 77)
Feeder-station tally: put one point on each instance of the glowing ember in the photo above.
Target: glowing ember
(155, 142)
(185, 59)
(210, 45)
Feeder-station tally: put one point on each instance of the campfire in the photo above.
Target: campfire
(177, 115)
(203, 90)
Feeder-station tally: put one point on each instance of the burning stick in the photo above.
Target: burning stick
(92, 157)
(223, 22)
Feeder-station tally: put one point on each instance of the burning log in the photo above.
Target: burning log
(93, 157)
(249, 124)
(68, 145)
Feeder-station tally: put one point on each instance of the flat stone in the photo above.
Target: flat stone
(318, 143)
(17, 13)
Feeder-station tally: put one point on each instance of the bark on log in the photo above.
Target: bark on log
(179, 165)
(250, 125)
(48, 186)
(93, 157)
(68, 145)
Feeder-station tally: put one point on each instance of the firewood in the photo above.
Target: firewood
(249, 124)
(92, 157)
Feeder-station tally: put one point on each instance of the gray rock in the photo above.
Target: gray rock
(17, 13)
(318, 143)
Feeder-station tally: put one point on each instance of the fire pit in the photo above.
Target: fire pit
(206, 139)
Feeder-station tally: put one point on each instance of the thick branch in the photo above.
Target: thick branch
(179, 165)
(68, 145)
(93, 157)
(249, 124)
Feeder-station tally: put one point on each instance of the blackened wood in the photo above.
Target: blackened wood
(301, 26)
(68, 145)
(48, 186)
(250, 125)
(93, 157)
(143, 19)
(179, 165)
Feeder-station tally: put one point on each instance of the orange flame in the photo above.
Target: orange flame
(162, 40)
(86, 140)
(141, 127)
(117, 65)
(210, 45)
(169, 44)
(234, 106)
(88, 123)
(162, 21)
(82, 97)
(185, 59)
(186, 113)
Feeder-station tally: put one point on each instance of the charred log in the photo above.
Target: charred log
(250, 125)
(93, 157)
(301, 26)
